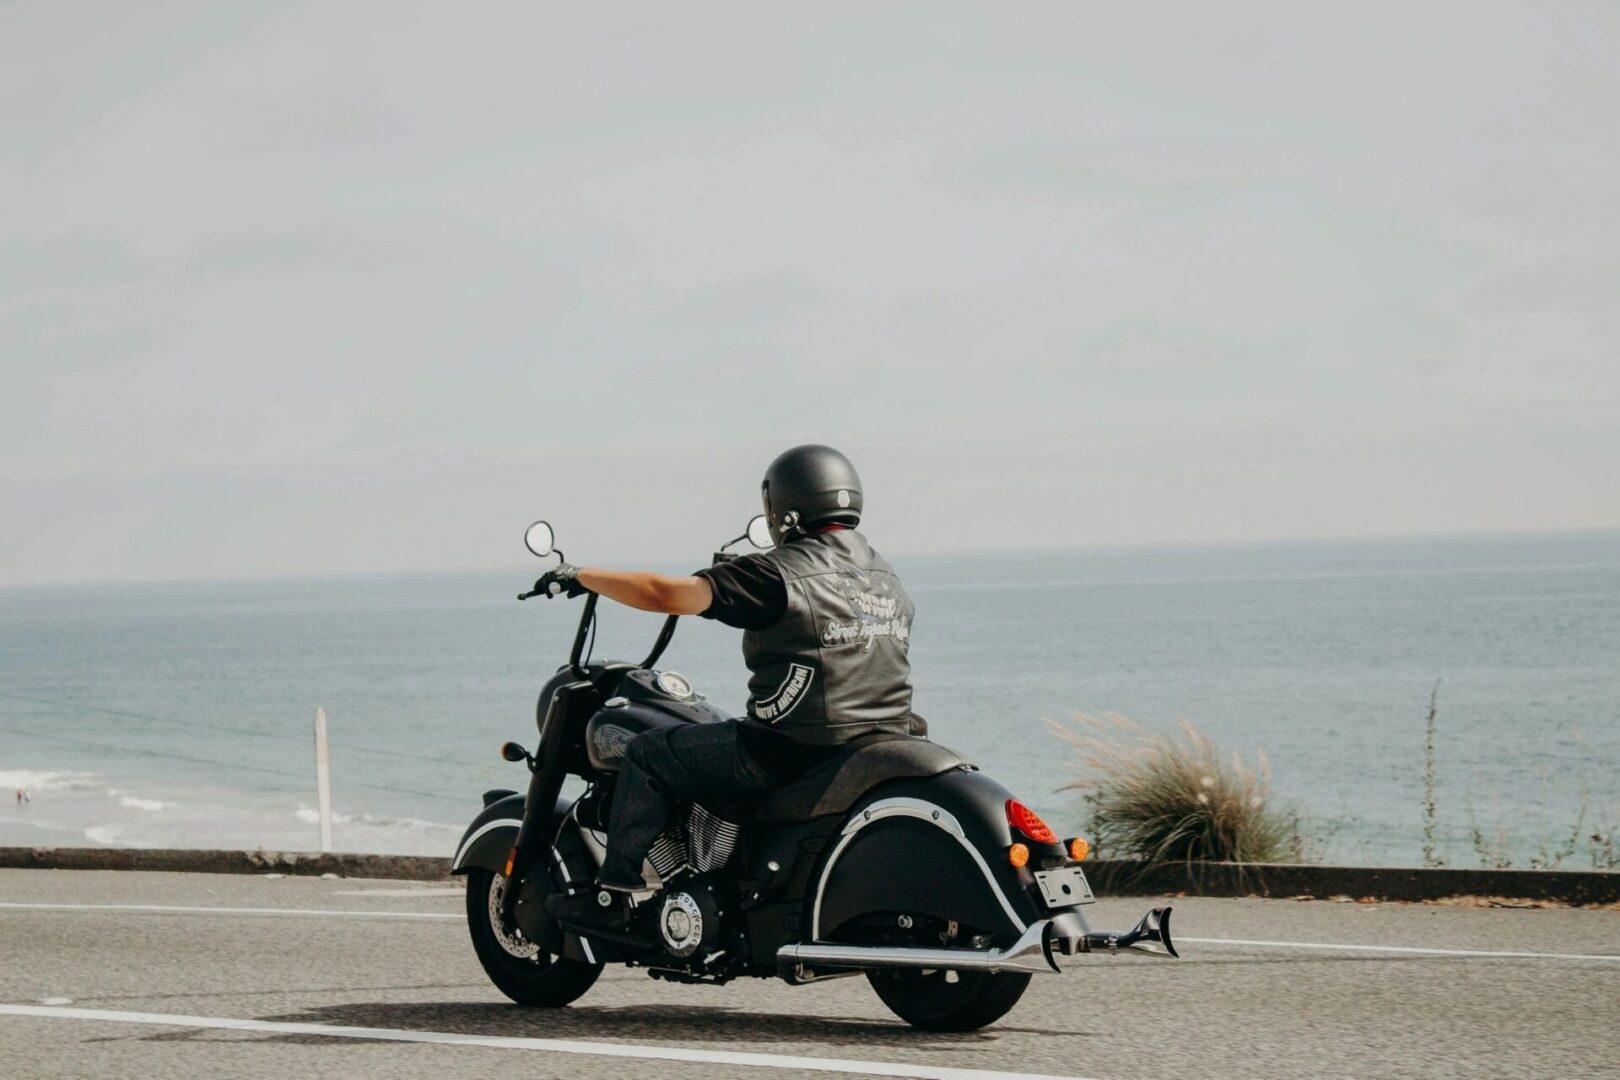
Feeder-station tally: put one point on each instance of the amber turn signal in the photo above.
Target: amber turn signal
(1018, 855)
(1078, 847)
(511, 857)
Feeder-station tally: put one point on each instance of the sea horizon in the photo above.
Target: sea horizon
(178, 713)
(1153, 547)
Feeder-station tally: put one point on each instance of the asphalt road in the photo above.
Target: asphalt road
(136, 991)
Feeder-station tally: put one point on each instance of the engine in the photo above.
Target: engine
(689, 922)
(701, 843)
(689, 914)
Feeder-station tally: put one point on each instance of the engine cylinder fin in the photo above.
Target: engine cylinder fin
(710, 840)
(668, 853)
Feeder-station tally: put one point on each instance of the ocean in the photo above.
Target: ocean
(180, 715)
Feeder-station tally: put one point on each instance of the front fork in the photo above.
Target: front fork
(537, 832)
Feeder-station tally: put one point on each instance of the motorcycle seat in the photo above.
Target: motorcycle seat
(836, 785)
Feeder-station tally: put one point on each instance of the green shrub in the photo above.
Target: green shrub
(1161, 798)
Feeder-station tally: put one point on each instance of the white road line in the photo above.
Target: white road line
(1328, 946)
(1243, 942)
(400, 892)
(556, 1046)
(183, 910)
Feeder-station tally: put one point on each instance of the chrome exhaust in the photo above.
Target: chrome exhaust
(1151, 935)
(1032, 952)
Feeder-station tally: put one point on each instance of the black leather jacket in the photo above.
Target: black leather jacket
(835, 666)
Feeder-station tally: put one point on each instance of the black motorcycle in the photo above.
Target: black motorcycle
(897, 859)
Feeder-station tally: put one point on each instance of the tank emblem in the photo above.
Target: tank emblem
(609, 740)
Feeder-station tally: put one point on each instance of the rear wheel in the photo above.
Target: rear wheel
(936, 999)
(949, 1000)
(521, 969)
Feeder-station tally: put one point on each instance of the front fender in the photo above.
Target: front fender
(932, 846)
(569, 857)
(490, 837)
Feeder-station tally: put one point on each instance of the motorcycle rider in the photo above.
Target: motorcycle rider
(826, 624)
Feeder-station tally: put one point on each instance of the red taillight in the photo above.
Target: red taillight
(1029, 823)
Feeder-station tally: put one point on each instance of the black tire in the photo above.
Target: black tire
(949, 1001)
(522, 971)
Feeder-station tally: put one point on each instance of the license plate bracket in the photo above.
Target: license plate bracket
(1065, 887)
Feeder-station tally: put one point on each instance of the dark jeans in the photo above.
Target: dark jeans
(700, 763)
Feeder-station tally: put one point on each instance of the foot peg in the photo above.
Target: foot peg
(584, 914)
(1151, 935)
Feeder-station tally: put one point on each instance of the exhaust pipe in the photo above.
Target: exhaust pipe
(1151, 935)
(1032, 952)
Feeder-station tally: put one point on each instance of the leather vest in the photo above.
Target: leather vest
(834, 667)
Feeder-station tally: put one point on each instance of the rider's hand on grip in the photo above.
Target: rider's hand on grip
(562, 581)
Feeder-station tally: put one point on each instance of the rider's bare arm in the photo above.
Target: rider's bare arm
(650, 592)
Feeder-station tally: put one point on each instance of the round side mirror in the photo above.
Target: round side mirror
(539, 539)
(759, 532)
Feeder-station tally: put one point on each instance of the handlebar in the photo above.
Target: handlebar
(585, 620)
(662, 641)
(576, 656)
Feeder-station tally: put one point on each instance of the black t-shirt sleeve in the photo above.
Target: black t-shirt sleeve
(749, 593)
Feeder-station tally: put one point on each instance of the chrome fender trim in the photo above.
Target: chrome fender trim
(488, 826)
(584, 943)
(1032, 952)
(922, 811)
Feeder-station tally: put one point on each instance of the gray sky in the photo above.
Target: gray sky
(337, 287)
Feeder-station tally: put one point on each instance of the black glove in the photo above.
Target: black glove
(562, 581)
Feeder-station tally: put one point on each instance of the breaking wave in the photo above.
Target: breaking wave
(35, 781)
(134, 802)
(67, 807)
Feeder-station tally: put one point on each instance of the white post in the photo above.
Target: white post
(323, 779)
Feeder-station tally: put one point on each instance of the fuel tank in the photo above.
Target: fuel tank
(646, 700)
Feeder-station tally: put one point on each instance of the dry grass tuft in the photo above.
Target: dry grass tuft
(1162, 798)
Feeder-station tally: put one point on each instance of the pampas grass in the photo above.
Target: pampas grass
(1166, 798)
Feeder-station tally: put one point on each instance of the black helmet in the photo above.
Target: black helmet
(810, 485)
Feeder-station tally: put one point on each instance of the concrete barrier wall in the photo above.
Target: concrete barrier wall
(398, 867)
(1576, 887)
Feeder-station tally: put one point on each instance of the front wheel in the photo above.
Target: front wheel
(521, 969)
(937, 1000)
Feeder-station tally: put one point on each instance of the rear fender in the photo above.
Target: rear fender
(934, 846)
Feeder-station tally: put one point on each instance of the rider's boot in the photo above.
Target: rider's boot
(602, 910)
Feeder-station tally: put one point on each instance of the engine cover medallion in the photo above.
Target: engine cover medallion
(681, 922)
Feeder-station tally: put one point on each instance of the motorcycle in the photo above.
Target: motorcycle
(897, 860)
